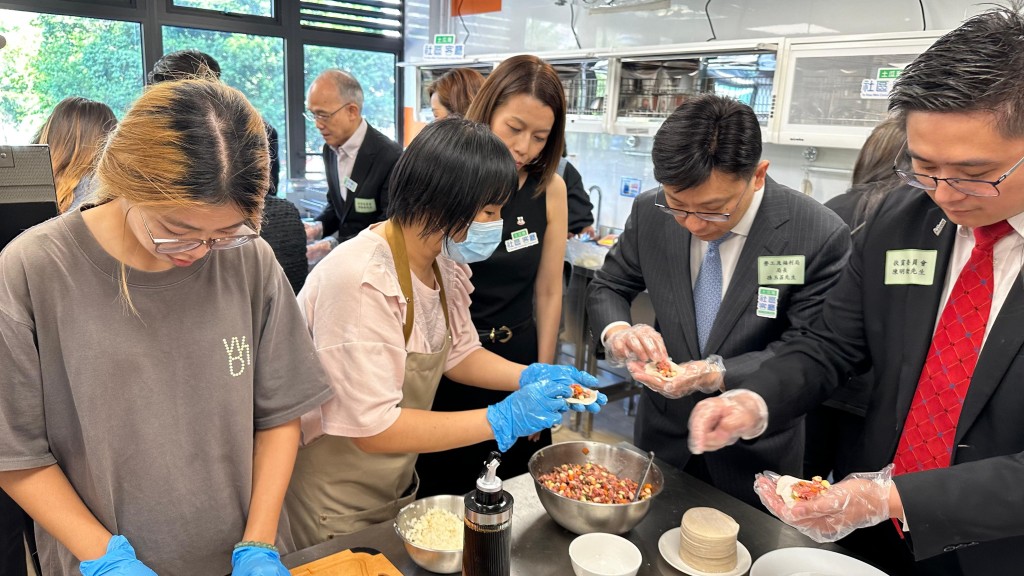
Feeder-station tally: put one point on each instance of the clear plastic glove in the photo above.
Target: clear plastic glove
(316, 251)
(314, 230)
(539, 373)
(119, 560)
(528, 410)
(256, 561)
(698, 376)
(637, 344)
(859, 501)
(720, 421)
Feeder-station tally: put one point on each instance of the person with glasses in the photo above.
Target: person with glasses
(155, 362)
(933, 301)
(734, 263)
(357, 161)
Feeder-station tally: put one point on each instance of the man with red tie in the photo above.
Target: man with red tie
(933, 301)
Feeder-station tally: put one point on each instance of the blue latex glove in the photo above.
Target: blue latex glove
(256, 561)
(538, 373)
(527, 410)
(119, 560)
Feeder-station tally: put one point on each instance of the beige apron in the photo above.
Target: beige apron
(336, 487)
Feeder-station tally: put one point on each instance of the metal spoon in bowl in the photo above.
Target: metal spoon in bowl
(640, 485)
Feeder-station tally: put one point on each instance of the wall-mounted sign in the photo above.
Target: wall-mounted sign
(629, 187)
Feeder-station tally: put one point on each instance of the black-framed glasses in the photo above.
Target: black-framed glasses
(175, 245)
(968, 186)
(322, 116)
(706, 216)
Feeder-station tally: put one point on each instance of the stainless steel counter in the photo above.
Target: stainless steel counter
(541, 548)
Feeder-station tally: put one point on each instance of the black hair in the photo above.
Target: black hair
(976, 67)
(706, 133)
(182, 65)
(449, 173)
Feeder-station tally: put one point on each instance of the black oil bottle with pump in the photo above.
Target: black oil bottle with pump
(487, 541)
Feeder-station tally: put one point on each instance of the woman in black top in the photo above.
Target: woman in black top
(517, 301)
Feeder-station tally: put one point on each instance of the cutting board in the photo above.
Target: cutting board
(353, 562)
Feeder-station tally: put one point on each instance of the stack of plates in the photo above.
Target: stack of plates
(708, 540)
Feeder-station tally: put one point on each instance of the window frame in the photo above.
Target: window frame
(286, 24)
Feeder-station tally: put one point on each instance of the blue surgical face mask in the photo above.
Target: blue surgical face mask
(481, 241)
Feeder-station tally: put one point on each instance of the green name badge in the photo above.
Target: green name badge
(780, 270)
(366, 205)
(910, 267)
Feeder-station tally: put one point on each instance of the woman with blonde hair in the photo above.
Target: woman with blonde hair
(453, 92)
(75, 132)
(162, 408)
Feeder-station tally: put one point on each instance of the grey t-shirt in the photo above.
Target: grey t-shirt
(151, 417)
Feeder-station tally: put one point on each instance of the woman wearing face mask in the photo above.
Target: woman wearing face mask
(517, 303)
(389, 314)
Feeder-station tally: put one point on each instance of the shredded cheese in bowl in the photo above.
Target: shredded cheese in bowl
(436, 529)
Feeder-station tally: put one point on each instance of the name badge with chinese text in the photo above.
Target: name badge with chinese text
(366, 205)
(915, 267)
(780, 270)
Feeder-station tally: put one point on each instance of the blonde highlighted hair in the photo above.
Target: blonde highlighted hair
(75, 132)
(187, 144)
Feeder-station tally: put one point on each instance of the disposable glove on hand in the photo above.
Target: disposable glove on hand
(256, 561)
(720, 421)
(568, 375)
(859, 501)
(698, 376)
(316, 251)
(639, 343)
(314, 230)
(119, 560)
(527, 410)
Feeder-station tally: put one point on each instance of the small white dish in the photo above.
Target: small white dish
(590, 398)
(600, 554)
(668, 545)
(810, 562)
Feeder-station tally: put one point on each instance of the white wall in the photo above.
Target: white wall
(602, 159)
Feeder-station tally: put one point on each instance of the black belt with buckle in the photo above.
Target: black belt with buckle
(503, 333)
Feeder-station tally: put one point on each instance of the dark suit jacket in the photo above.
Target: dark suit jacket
(653, 252)
(581, 211)
(977, 499)
(371, 171)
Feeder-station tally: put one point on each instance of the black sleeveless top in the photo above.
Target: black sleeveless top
(504, 283)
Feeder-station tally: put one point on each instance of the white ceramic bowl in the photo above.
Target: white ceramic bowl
(600, 554)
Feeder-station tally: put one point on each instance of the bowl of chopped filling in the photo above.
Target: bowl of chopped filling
(431, 529)
(589, 487)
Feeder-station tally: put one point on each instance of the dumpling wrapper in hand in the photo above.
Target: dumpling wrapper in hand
(793, 490)
(581, 395)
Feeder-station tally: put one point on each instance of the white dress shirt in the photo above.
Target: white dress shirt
(1007, 258)
(347, 156)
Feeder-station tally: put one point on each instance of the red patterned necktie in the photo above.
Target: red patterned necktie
(927, 440)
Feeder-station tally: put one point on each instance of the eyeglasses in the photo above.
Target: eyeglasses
(706, 216)
(175, 245)
(968, 186)
(322, 116)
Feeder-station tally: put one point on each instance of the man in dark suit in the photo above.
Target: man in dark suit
(734, 263)
(933, 301)
(357, 159)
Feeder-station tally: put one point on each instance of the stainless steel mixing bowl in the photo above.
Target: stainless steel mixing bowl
(587, 517)
(440, 561)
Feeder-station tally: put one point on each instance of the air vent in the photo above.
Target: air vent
(379, 18)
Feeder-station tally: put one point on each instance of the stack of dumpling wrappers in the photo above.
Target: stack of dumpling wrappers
(708, 540)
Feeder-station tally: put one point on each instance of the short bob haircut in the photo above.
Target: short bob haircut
(448, 174)
(706, 133)
(529, 75)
